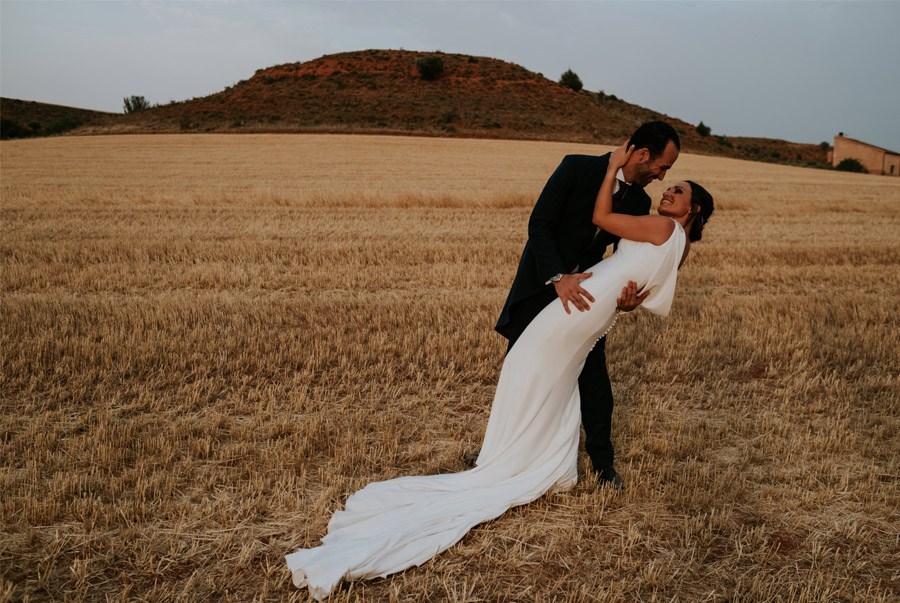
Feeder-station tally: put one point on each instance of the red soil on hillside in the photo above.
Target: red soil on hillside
(381, 91)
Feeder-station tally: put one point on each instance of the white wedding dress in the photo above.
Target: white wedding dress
(530, 446)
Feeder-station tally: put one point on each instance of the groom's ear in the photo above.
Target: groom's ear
(641, 155)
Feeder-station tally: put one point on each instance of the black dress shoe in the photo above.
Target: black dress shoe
(469, 459)
(607, 476)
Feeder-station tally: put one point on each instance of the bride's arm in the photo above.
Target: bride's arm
(649, 229)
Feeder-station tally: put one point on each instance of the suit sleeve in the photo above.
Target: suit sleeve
(543, 226)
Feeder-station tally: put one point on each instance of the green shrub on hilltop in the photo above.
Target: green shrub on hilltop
(430, 67)
(135, 104)
(570, 79)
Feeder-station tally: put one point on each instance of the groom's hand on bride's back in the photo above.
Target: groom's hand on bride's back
(569, 291)
(630, 298)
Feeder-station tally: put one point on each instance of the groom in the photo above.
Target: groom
(563, 241)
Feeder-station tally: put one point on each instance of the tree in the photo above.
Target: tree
(851, 165)
(570, 79)
(703, 129)
(135, 104)
(430, 67)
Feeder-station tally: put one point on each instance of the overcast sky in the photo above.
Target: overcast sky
(801, 71)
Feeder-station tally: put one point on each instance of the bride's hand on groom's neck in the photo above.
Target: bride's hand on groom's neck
(620, 157)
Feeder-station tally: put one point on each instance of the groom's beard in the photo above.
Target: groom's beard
(643, 175)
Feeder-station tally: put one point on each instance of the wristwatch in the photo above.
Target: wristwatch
(557, 278)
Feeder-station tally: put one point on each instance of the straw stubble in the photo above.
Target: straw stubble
(208, 342)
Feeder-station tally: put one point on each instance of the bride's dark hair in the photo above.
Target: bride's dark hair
(701, 197)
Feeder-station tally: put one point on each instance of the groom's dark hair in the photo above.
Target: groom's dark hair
(654, 136)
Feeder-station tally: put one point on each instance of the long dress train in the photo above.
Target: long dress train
(530, 445)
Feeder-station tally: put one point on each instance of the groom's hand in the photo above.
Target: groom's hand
(569, 290)
(629, 300)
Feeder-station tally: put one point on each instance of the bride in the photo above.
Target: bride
(531, 442)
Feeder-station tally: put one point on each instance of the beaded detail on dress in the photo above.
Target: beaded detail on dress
(608, 329)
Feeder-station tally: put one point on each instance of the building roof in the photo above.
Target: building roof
(888, 151)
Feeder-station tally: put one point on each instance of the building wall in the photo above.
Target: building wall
(871, 157)
(891, 164)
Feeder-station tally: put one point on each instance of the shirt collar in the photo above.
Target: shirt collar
(620, 181)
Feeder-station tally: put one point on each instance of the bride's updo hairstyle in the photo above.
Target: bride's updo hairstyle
(701, 197)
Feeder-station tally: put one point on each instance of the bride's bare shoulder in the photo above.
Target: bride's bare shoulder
(660, 229)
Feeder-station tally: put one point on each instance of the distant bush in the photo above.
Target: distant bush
(824, 146)
(13, 129)
(570, 79)
(703, 129)
(63, 124)
(430, 67)
(135, 104)
(851, 165)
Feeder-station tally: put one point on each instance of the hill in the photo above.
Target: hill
(382, 91)
(22, 119)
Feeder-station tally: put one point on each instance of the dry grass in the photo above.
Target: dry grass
(207, 343)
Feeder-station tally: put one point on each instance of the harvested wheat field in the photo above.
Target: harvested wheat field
(208, 342)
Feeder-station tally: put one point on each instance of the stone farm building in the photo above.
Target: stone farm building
(875, 159)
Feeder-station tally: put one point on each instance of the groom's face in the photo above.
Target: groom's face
(649, 168)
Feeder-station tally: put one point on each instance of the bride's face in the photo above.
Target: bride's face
(676, 201)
